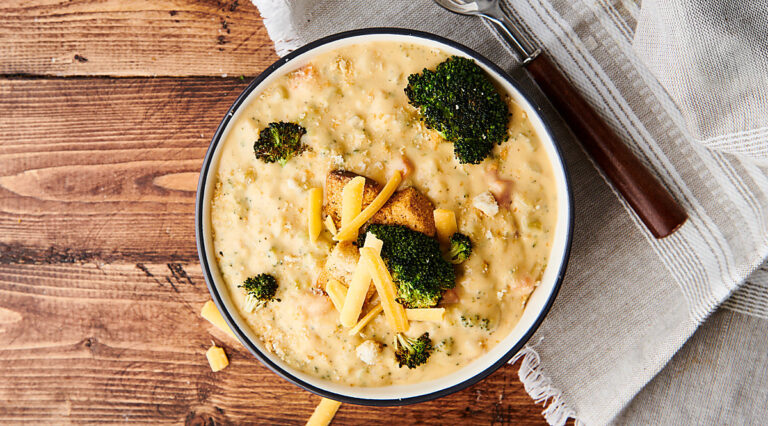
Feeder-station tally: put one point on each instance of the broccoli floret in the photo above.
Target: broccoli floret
(279, 142)
(461, 248)
(412, 352)
(459, 101)
(259, 290)
(418, 268)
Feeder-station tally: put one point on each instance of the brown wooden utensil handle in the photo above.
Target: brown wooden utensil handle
(651, 201)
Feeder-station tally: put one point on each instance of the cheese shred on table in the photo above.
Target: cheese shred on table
(212, 314)
(217, 359)
(324, 412)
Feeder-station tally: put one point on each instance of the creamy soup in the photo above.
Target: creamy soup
(352, 104)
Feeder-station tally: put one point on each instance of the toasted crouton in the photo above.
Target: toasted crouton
(342, 261)
(335, 182)
(407, 207)
(341, 264)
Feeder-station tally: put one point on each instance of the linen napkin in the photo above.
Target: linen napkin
(711, 57)
(628, 302)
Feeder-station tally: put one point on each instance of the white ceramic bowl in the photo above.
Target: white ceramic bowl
(536, 308)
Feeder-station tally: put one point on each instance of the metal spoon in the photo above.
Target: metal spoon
(509, 30)
(660, 213)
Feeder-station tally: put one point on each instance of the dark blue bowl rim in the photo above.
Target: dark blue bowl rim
(204, 263)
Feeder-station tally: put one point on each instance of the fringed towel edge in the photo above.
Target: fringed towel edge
(277, 20)
(541, 389)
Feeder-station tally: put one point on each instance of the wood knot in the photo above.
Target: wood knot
(89, 342)
(199, 419)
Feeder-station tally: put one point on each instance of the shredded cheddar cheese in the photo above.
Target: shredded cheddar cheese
(394, 311)
(330, 226)
(445, 222)
(348, 232)
(425, 314)
(422, 314)
(314, 213)
(358, 286)
(352, 199)
(337, 292)
(365, 320)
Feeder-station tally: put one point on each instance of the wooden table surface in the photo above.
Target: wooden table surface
(106, 110)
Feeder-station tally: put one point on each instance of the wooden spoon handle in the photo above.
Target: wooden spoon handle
(652, 203)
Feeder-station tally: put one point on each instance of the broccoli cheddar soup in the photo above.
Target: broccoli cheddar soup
(382, 214)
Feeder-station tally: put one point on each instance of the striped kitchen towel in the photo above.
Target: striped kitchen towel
(630, 302)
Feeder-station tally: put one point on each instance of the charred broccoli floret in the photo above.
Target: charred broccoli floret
(279, 142)
(418, 268)
(259, 290)
(459, 101)
(461, 248)
(412, 352)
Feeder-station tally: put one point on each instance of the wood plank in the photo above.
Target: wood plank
(99, 286)
(124, 342)
(115, 160)
(133, 38)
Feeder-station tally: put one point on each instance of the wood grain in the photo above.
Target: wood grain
(100, 290)
(124, 342)
(114, 160)
(133, 38)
